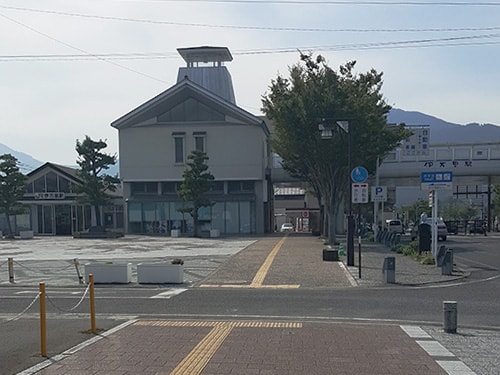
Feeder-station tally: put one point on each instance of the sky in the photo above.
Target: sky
(68, 68)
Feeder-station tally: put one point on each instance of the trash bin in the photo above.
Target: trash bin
(389, 270)
(424, 237)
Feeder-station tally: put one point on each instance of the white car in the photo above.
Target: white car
(286, 227)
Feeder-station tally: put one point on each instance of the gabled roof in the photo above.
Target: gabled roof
(61, 169)
(148, 112)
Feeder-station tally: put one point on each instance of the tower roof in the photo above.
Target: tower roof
(205, 54)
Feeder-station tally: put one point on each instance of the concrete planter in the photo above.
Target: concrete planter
(330, 255)
(160, 273)
(109, 273)
(175, 232)
(26, 234)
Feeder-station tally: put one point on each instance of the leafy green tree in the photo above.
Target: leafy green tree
(95, 184)
(496, 200)
(453, 209)
(12, 189)
(197, 182)
(316, 94)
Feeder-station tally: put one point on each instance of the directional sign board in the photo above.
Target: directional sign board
(436, 180)
(379, 193)
(359, 193)
(359, 174)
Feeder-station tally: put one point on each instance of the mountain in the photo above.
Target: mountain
(447, 132)
(441, 132)
(26, 162)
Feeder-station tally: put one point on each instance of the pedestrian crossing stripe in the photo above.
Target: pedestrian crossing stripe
(169, 293)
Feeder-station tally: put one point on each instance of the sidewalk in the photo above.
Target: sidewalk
(259, 347)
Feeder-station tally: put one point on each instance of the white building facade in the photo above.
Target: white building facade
(198, 113)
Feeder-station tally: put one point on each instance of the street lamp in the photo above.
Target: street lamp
(327, 133)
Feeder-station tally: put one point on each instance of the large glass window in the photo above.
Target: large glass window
(39, 185)
(64, 185)
(231, 215)
(245, 218)
(51, 181)
(218, 216)
(135, 217)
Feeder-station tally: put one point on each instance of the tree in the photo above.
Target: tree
(316, 94)
(197, 182)
(12, 189)
(95, 184)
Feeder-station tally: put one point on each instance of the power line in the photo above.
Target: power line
(416, 43)
(331, 2)
(258, 28)
(88, 54)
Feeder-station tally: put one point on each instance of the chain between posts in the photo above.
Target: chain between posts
(74, 307)
(16, 317)
(10, 261)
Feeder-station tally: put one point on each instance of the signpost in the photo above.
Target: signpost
(435, 181)
(359, 194)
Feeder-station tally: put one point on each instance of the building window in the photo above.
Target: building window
(217, 187)
(240, 186)
(179, 148)
(139, 188)
(199, 141)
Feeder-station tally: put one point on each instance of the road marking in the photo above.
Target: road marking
(198, 358)
(169, 293)
(235, 286)
(452, 365)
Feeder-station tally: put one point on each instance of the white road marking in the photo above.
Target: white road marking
(169, 293)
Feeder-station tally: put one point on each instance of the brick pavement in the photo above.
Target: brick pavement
(157, 348)
(261, 347)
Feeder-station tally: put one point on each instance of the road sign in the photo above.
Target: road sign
(436, 180)
(379, 193)
(359, 193)
(359, 174)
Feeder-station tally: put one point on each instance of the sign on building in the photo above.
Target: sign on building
(418, 142)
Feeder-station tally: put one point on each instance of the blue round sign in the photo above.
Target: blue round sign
(359, 174)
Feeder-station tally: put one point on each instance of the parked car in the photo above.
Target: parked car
(394, 226)
(286, 227)
(442, 230)
(477, 227)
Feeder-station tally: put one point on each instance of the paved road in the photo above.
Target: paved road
(226, 285)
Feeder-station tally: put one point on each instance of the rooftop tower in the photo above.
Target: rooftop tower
(205, 67)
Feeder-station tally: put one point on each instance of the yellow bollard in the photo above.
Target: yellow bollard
(93, 328)
(10, 262)
(43, 323)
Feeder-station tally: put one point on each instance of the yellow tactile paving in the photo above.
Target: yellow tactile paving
(258, 280)
(198, 358)
(261, 274)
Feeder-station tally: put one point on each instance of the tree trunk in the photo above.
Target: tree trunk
(195, 222)
(9, 235)
(97, 216)
(332, 223)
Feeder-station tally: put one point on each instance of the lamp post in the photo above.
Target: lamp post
(326, 133)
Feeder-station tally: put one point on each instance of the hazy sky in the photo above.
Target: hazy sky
(71, 67)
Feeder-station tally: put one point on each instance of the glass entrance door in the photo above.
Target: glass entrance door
(46, 221)
(63, 220)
